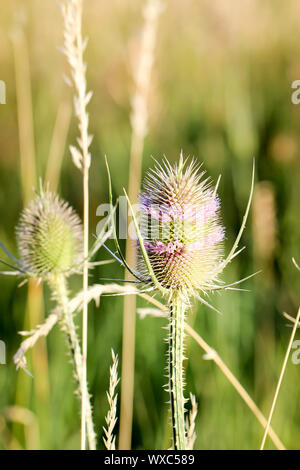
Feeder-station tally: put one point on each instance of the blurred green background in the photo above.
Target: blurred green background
(220, 91)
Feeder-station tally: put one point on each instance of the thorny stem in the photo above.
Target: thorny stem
(176, 382)
(59, 290)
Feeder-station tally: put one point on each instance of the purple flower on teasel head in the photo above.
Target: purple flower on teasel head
(181, 228)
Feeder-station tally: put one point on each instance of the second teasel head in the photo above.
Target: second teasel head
(49, 236)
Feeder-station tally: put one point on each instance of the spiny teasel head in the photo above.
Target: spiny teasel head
(49, 236)
(181, 229)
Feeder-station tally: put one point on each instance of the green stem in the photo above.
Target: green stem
(176, 382)
(59, 290)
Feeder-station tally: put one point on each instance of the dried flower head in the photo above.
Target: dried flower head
(181, 227)
(49, 237)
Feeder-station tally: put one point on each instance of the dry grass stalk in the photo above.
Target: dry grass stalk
(74, 47)
(280, 379)
(290, 318)
(33, 337)
(74, 305)
(111, 417)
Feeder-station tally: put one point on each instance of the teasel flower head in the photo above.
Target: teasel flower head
(181, 228)
(49, 236)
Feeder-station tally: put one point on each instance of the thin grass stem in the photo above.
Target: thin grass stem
(74, 47)
(280, 379)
